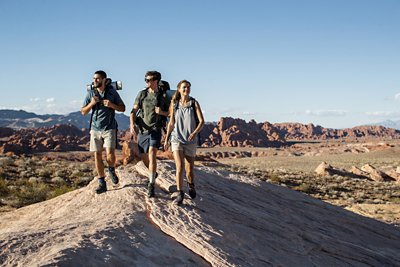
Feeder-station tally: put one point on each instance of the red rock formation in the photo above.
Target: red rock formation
(227, 132)
(298, 131)
(44, 139)
(239, 133)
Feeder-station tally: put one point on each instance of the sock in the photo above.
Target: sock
(101, 180)
(111, 169)
(152, 177)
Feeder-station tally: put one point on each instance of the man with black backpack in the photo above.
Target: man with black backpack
(147, 119)
(103, 100)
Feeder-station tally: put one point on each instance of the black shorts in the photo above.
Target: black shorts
(147, 140)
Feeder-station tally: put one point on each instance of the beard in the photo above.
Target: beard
(97, 85)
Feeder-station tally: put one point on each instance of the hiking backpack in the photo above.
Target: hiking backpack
(163, 87)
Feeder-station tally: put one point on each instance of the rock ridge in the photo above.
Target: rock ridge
(236, 220)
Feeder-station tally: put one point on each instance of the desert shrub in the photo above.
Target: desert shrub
(85, 167)
(44, 173)
(83, 181)
(59, 191)
(2, 173)
(78, 174)
(3, 188)
(27, 195)
(61, 173)
(6, 161)
(395, 200)
(305, 188)
(274, 178)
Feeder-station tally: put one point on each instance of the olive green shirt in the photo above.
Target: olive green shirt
(150, 119)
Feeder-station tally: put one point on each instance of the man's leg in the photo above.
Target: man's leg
(110, 152)
(110, 142)
(98, 160)
(100, 171)
(152, 170)
(96, 146)
(153, 159)
(145, 158)
(143, 145)
(111, 164)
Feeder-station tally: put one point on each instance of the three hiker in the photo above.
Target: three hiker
(147, 119)
(103, 100)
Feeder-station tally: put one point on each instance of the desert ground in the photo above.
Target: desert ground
(29, 179)
(295, 166)
(247, 211)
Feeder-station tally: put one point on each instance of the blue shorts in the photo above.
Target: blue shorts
(147, 140)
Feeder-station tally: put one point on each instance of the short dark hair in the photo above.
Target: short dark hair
(155, 74)
(102, 73)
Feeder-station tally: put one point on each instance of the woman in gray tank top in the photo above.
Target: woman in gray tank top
(186, 121)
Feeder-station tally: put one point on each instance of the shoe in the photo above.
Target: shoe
(150, 188)
(113, 175)
(180, 197)
(102, 186)
(192, 191)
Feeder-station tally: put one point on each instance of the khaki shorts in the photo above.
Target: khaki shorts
(100, 139)
(188, 149)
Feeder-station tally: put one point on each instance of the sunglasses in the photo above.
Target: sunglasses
(148, 80)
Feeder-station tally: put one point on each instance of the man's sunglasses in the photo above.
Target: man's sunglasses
(148, 80)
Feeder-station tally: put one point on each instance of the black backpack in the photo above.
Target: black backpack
(163, 86)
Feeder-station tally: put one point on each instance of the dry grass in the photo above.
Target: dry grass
(27, 180)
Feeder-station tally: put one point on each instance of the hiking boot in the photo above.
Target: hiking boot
(102, 186)
(192, 191)
(113, 175)
(150, 188)
(180, 197)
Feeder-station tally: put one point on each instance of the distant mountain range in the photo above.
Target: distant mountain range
(389, 124)
(18, 119)
(23, 132)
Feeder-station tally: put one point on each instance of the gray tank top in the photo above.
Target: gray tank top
(185, 124)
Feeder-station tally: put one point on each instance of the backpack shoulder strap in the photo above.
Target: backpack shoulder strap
(193, 105)
(142, 96)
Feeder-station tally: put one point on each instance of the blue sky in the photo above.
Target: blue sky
(332, 63)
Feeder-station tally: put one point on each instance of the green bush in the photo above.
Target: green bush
(4, 191)
(395, 200)
(27, 195)
(59, 191)
(305, 188)
(274, 178)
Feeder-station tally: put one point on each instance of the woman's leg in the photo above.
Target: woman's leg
(189, 166)
(178, 157)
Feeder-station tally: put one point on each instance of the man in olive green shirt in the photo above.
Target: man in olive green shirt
(153, 108)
